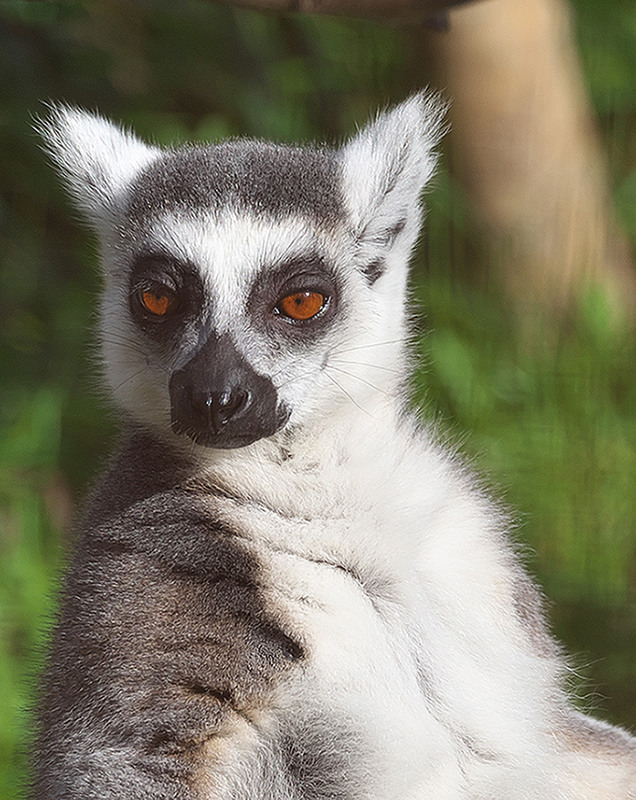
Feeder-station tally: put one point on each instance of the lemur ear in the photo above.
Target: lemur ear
(96, 158)
(386, 166)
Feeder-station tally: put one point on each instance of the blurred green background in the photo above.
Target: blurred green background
(544, 408)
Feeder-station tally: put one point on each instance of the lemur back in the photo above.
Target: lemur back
(284, 587)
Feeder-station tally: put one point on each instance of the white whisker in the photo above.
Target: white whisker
(368, 346)
(124, 343)
(294, 378)
(358, 378)
(130, 378)
(345, 392)
(366, 364)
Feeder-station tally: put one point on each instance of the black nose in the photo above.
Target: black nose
(219, 400)
(216, 409)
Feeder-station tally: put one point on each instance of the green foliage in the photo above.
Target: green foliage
(606, 33)
(29, 552)
(546, 411)
(551, 419)
(552, 425)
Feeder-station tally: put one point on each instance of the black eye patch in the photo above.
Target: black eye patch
(374, 270)
(161, 274)
(306, 274)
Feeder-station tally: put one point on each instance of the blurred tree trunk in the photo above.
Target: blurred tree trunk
(529, 152)
(530, 155)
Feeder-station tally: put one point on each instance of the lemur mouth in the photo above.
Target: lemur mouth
(205, 438)
(230, 436)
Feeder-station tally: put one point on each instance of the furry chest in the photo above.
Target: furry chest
(360, 672)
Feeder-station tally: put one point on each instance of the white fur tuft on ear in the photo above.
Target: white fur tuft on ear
(96, 158)
(387, 165)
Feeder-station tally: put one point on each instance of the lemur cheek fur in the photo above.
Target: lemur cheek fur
(284, 587)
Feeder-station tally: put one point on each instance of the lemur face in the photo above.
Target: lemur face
(235, 282)
(250, 287)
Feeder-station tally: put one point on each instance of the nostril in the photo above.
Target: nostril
(225, 398)
(228, 402)
(208, 410)
(216, 409)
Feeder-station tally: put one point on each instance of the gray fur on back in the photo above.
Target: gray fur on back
(163, 634)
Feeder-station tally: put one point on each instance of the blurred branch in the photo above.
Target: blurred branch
(396, 11)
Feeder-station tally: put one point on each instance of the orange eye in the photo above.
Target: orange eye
(160, 302)
(301, 305)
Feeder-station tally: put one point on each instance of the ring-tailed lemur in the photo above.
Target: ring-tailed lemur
(284, 588)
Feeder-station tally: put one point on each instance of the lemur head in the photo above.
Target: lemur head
(250, 287)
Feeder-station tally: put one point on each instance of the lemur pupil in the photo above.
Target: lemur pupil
(156, 303)
(302, 305)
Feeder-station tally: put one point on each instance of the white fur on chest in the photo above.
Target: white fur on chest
(392, 572)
